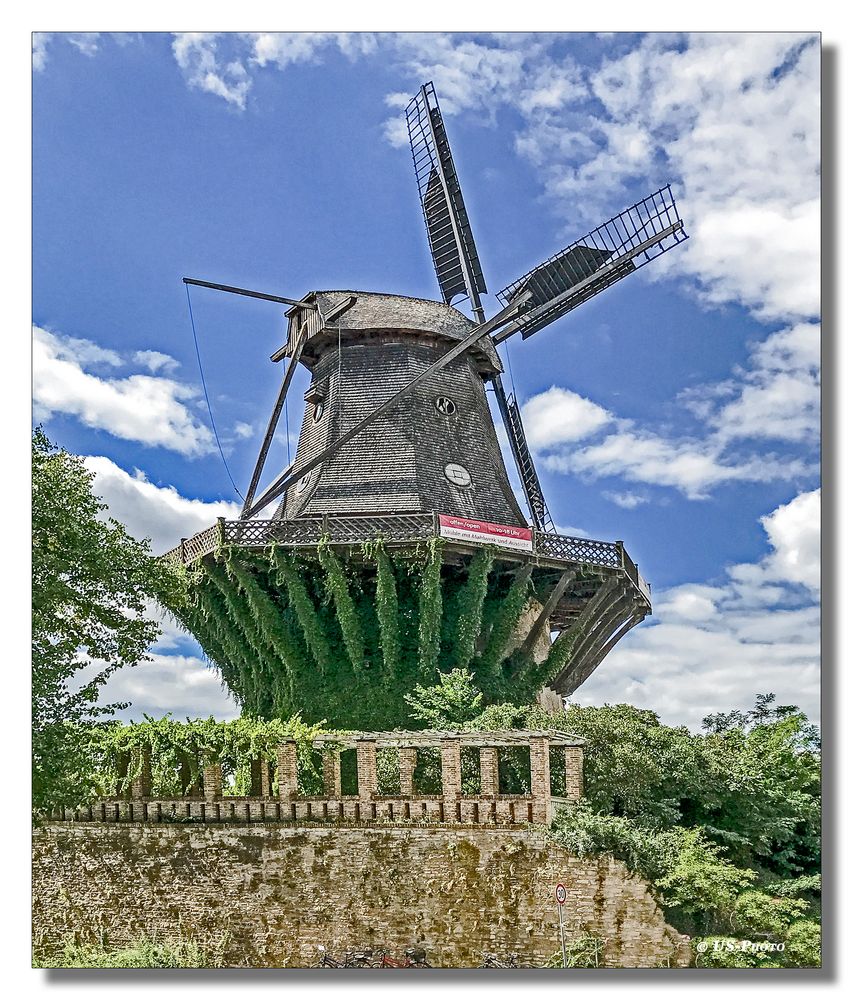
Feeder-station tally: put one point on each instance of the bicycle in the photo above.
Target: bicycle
(491, 961)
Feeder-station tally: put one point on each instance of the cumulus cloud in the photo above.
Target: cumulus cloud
(558, 415)
(41, 40)
(778, 395)
(143, 408)
(196, 53)
(150, 511)
(713, 647)
(775, 396)
(156, 361)
(692, 466)
(86, 42)
(626, 500)
(182, 685)
(734, 120)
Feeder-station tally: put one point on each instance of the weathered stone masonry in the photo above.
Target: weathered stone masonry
(280, 891)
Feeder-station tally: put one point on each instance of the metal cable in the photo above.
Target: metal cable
(207, 397)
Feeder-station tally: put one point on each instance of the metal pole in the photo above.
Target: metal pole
(562, 936)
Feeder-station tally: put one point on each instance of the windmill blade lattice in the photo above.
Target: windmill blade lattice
(457, 265)
(586, 267)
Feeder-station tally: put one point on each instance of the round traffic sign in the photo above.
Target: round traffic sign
(560, 893)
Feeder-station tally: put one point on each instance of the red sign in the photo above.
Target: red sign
(468, 530)
(560, 893)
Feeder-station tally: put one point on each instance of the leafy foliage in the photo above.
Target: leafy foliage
(275, 625)
(450, 703)
(724, 824)
(142, 954)
(90, 583)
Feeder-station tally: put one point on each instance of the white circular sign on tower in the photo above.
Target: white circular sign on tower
(457, 474)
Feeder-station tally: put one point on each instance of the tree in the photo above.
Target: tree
(452, 702)
(90, 583)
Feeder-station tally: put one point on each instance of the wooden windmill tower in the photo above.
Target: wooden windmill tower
(396, 547)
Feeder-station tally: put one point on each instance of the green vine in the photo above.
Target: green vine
(429, 611)
(348, 617)
(387, 611)
(306, 614)
(469, 607)
(292, 662)
(505, 622)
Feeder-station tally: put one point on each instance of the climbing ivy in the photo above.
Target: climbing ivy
(429, 616)
(346, 634)
(293, 580)
(387, 610)
(348, 618)
(469, 607)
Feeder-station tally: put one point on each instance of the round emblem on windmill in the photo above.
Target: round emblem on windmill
(457, 474)
(318, 411)
(445, 405)
(303, 482)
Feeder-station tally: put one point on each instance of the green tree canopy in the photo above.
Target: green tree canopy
(90, 585)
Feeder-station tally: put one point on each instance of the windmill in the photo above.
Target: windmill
(397, 548)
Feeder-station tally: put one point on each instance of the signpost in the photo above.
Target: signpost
(560, 894)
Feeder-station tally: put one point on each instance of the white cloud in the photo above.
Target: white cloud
(182, 685)
(734, 120)
(243, 430)
(86, 42)
(714, 647)
(558, 415)
(141, 408)
(691, 466)
(196, 54)
(794, 532)
(775, 396)
(627, 500)
(150, 511)
(156, 361)
(41, 40)
(82, 352)
(283, 48)
(778, 396)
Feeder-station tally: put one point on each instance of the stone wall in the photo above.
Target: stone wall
(280, 891)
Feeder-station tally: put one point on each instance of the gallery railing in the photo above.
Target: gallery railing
(396, 528)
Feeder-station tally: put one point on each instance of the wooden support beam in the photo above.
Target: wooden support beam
(547, 610)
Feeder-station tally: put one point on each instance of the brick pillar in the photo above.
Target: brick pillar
(574, 772)
(288, 771)
(212, 781)
(140, 787)
(488, 772)
(260, 777)
(451, 776)
(540, 779)
(408, 759)
(332, 774)
(365, 754)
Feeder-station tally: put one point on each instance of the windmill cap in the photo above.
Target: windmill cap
(376, 312)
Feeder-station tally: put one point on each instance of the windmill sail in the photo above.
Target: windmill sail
(523, 459)
(586, 267)
(457, 265)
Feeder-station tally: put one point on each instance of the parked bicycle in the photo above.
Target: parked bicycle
(326, 960)
(413, 958)
(491, 961)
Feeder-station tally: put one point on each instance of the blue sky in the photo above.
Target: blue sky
(678, 411)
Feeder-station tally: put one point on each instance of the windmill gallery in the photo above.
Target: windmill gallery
(396, 548)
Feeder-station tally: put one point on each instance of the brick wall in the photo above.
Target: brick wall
(279, 892)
